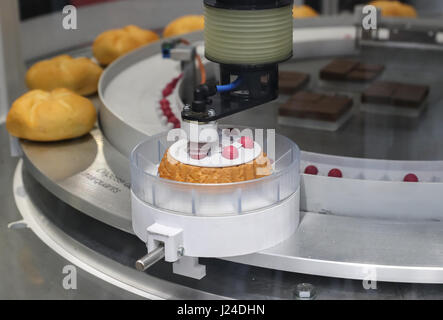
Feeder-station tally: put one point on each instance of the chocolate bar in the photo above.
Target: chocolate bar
(350, 70)
(396, 93)
(292, 81)
(305, 104)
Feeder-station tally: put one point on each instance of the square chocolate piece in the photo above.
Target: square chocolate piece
(379, 92)
(361, 75)
(317, 106)
(338, 69)
(307, 96)
(350, 70)
(396, 93)
(410, 95)
(370, 67)
(292, 81)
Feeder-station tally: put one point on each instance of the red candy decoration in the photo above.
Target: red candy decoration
(165, 105)
(164, 102)
(165, 109)
(172, 119)
(311, 170)
(168, 113)
(336, 173)
(247, 142)
(167, 91)
(410, 177)
(230, 152)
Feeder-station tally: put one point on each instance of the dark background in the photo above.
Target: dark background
(33, 8)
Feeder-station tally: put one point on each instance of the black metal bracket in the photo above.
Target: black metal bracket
(259, 85)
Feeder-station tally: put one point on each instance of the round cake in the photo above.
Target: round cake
(241, 161)
(172, 169)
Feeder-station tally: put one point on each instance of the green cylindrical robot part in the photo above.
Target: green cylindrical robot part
(248, 37)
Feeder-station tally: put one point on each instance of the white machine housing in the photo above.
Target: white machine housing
(215, 220)
(223, 236)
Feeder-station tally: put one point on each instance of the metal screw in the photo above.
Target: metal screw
(211, 112)
(181, 251)
(305, 291)
(187, 107)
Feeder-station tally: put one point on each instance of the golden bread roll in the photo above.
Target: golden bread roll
(185, 24)
(112, 44)
(51, 116)
(394, 8)
(408, 11)
(80, 75)
(171, 169)
(303, 11)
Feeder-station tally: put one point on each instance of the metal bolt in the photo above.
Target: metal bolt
(211, 112)
(181, 251)
(305, 291)
(150, 259)
(187, 107)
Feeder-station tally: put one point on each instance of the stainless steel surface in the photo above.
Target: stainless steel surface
(406, 33)
(428, 8)
(11, 62)
(357, 248)
(87, 173)
(28, 268)
(329, 7)
(12, 67)
(90, 245)
(95, 244)
(150, 259)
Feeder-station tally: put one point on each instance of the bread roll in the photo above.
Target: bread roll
(112, 44)
(185, 24)
(303, 11)
(80, 75)
(408, 11)
(51, 116)
(394, 8)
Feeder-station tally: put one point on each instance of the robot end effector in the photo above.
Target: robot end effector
(254, 36)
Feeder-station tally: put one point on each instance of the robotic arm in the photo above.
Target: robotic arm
(248, 38)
